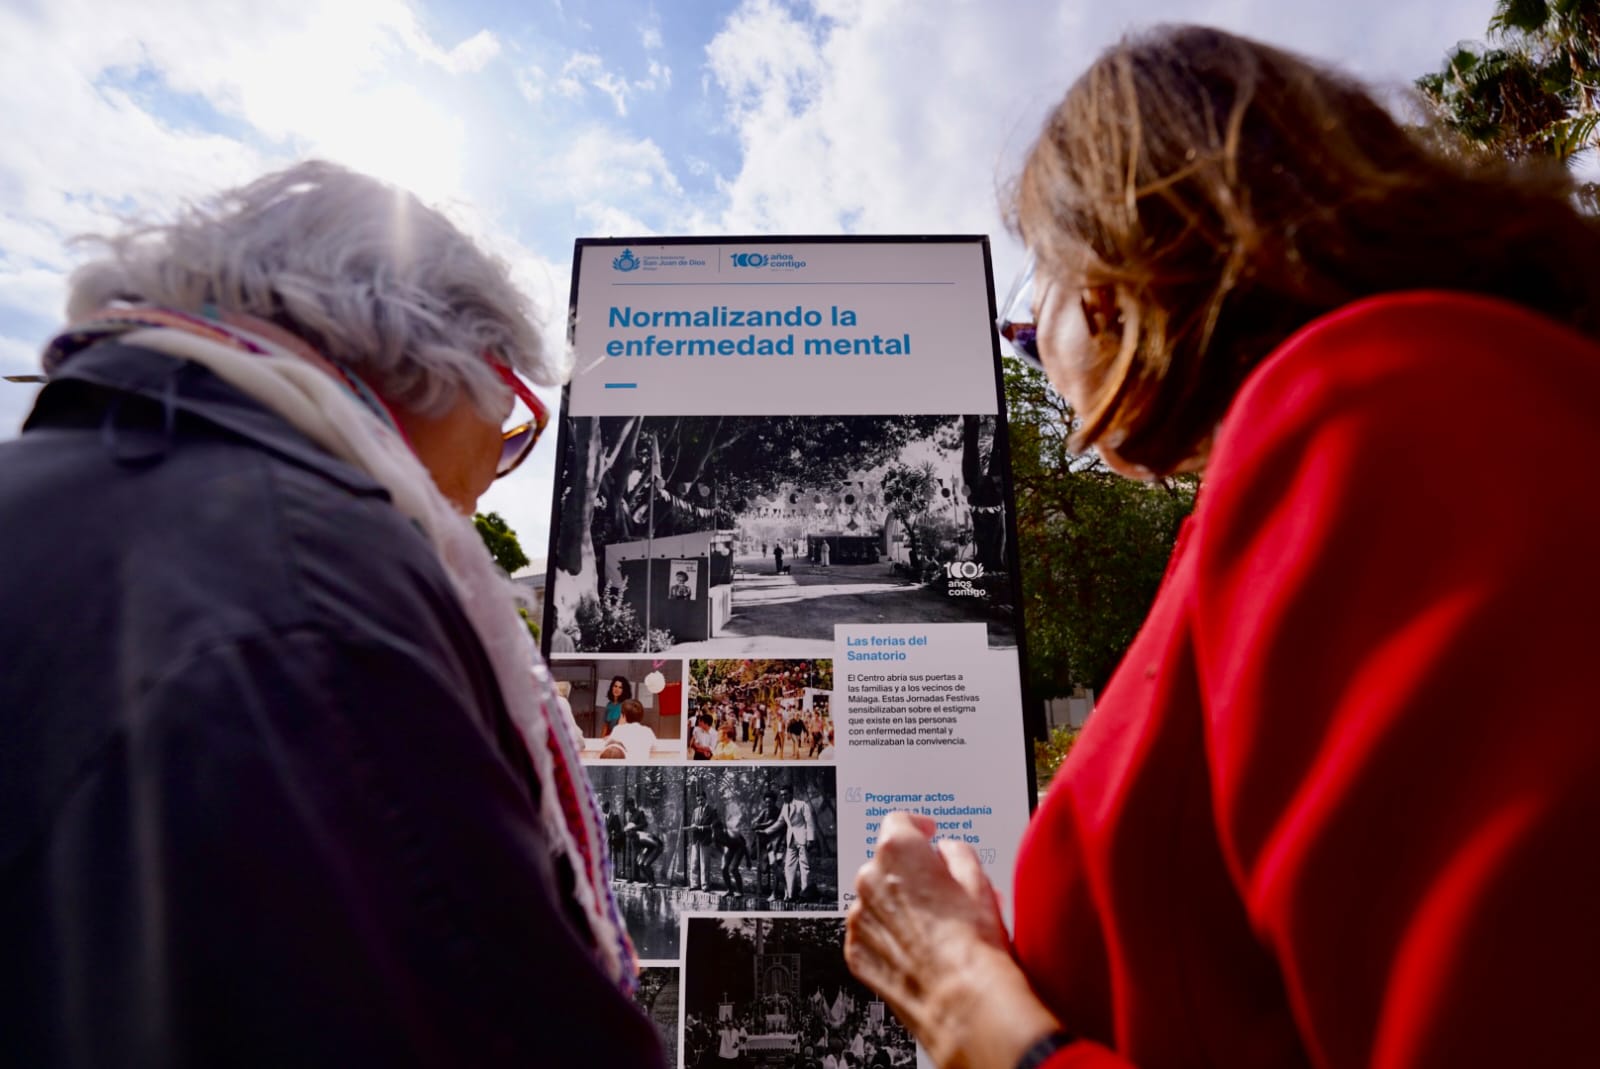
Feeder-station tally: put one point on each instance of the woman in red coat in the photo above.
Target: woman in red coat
(1339, 804)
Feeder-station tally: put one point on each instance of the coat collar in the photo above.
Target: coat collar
(196, 392)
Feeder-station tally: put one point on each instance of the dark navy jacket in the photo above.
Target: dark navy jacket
(260, 799)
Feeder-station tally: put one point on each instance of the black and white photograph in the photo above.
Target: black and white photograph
(685, 580)
(657, 996)
(627, 708)
(775, 992)
(699, 839)
(730, 536)
(756, 709)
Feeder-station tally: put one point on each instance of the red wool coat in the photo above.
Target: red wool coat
(1340, 805)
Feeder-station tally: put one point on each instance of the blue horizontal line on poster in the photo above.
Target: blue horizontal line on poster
(622, 385)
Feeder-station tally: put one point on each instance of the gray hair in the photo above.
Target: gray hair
(365, 273)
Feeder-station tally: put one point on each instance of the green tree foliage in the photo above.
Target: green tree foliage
(501, 541)
(1093, 544)
(908, 495)
(1048, 753)
(760, 678)
(1533, 89)
(533, 625)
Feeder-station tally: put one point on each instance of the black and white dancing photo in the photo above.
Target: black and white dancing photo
(740, 838)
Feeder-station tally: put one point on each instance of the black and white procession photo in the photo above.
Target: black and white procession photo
(775, 992)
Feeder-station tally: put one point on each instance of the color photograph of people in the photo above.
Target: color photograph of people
(724, 838)
(772, 991)
(761, 710)
(625, 709)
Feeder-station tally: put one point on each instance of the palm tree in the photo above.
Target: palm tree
(1533, 90)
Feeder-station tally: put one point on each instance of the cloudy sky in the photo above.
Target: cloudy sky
(535, 122)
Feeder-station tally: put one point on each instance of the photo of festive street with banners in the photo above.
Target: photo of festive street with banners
(761, 710)
(775, 991)
(731, 536)
(706, 838)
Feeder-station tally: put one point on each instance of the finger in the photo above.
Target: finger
(962, 861)
(861, 951)
(877, 959)
(866, 966)
(906, 861)
(901, 823)
(866, 925)
(867, 873)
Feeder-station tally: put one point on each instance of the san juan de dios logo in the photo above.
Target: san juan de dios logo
(626, 262)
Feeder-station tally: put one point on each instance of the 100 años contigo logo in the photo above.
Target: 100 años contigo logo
(960, 575)
(626, 262)
(777, 260)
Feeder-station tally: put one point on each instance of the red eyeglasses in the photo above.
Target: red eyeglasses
(517, 442)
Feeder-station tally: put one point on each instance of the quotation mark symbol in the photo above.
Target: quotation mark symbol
(852, 794)
(986, 857)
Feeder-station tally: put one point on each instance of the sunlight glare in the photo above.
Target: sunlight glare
(395, 133)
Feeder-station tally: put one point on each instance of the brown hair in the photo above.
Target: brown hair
(1230, 192)
(633, 710)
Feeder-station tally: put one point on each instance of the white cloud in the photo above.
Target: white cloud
(17, 357)
(607, 220)
(469, 56)
(587, 70)
(306, 79)
(650, 37)
(660, 77)
(531, 82)
(33, 291)
(577, 72)
(600, 164)
(614, 87)
(112, 111)
(905, 116)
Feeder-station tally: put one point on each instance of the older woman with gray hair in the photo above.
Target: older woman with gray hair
(281, 778)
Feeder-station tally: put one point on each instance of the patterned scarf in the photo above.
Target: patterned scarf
(340, 413)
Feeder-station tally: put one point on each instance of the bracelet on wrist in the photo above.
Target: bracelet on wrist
(1040, 1051)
